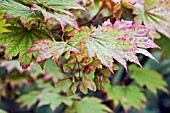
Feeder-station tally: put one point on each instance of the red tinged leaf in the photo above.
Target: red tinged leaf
(19, 41)
(119, 42)
(14, 9)
(58, 11)
(48, 49)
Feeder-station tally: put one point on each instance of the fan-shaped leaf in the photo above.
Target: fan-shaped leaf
(88, 105)
(119, 41)
(52, 49)
(45, 98)
(128, 96)
(16, 10)
(155, 15)
(20, 41)
(149, 78)
(60, 11)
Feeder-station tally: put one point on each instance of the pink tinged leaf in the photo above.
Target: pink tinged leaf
(61, 18)
(141, 30)
(10, 65)
(146, 53)
(131, 56)
(120, 58)
(155, 15)
(94, 48)
(50, 49)
(143, 42)
(122, 24)
(117, 42)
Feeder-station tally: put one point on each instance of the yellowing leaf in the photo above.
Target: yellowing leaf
(19, 41)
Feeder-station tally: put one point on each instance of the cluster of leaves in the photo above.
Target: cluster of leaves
(43, 33)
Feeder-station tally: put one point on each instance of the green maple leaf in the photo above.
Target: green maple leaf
(52, 71)
(120, 42)
(3, 24)
(52, 49)
(60, 11)
(45, 97)
(62, 5)
(149, 78)
(17, 10)
(155, 15)
(19, 41)
(128, 96)
(28, 99)
(88, 105)
(55, 100)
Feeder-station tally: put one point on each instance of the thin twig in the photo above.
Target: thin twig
(96, 20)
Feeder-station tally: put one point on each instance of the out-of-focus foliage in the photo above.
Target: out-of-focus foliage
(129, 96)
(93, 105)
(149, 78)
(74, 56)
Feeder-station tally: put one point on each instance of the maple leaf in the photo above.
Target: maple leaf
(28, 99)
(60, 11)
(15, 79)
(11, 65)
(120, 41)
(128, 96)
(149, 78)
(62, 5)
(52, 49)
(50, 70)
(155, 15)
(88, 105)
(55, 100)
(19, 41)
(17, 10)
(47, 96)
